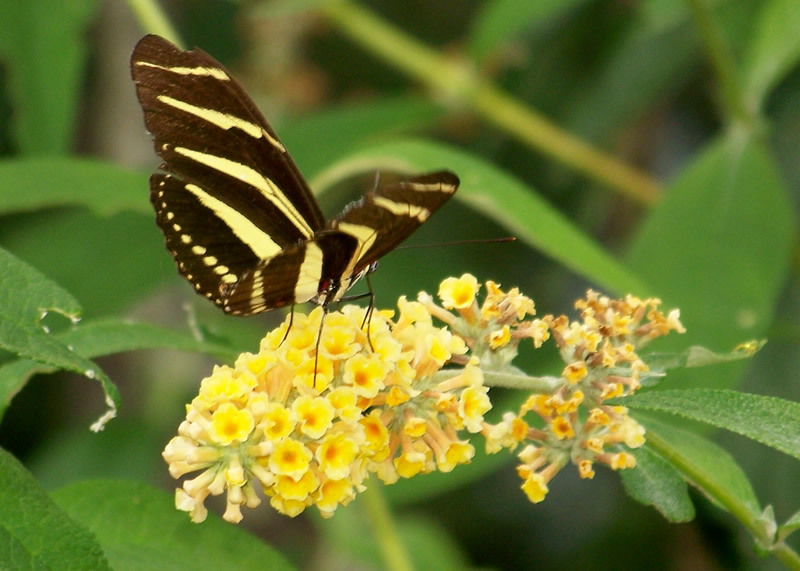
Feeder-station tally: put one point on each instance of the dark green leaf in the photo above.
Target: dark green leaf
(654, 482)
(35, 533)
(139, 528)
(771, 421)
(316, 140)
(500, 21)
(701, 462)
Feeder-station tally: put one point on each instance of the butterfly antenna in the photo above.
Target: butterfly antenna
(458, 243)
(368, 315)
(289, 328)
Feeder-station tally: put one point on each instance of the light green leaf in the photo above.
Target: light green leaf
(498, 196)
(25, 298)
(791, 525)
(769, 420)
(774, 49)
(654, 482)
(33, 183)
(718, 247)
(35, 533)
(45, 47)
(139, 528)
(697, 356)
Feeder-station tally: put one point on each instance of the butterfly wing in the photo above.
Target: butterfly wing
(309, 271)
(382, 219)
(232, 195)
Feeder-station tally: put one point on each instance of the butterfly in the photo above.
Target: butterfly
(238, 217)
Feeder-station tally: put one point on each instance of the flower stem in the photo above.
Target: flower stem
(728, 500)
(373, 504)
(456, 81)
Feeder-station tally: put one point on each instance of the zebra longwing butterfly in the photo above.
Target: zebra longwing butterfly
(238, 217)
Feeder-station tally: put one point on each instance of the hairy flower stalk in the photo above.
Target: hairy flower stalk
(306, 427)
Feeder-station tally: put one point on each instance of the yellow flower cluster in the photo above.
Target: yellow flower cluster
(322, 405)
(572, 423)
(493, 329)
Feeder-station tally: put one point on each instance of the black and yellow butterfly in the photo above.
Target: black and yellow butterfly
(238, 217)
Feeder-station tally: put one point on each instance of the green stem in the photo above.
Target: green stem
(722, 62)
(456, 81)
(153, 19)
(729, 501)
(374, 506)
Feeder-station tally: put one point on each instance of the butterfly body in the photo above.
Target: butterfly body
(237, 215)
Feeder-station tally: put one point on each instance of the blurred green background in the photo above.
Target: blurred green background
(633, 79)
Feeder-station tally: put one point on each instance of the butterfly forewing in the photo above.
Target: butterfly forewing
(209, 133)
(237, 215)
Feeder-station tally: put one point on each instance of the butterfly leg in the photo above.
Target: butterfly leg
(368, 315)
(319, 339)
(289, 328)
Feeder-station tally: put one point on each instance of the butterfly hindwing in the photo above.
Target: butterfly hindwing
(384, 218)
(205, 249)
(309, 271)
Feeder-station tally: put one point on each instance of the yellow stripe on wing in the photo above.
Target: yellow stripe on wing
(199, 70)
(255, 179)
(222, 120)
(260, 243)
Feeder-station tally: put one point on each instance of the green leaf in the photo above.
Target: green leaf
(718, 247)
(100, 338)
(697, 356)
(139, 528)
(104, 337)
(646, 65)
(791, 525)
(654, 482)
(316, 140)
(501, 21)
(25, 298)
(774, 49)
(33, 183)
(35, 533)
(45, 45)
(703, 463)
(108, 263)
(769, 420)
(500, 197)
